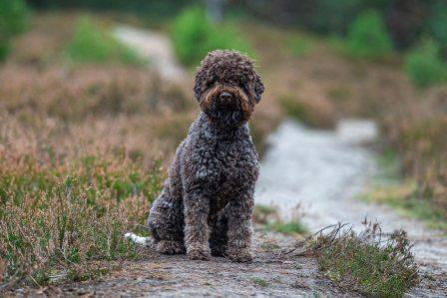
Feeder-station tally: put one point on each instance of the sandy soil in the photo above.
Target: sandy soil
(271, 274)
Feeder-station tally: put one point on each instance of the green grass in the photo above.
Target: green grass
(261, 282)
(288, 228)
(94, 44)
(269, 217)
(369, 262)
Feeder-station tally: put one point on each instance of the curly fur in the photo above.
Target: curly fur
(206, 204)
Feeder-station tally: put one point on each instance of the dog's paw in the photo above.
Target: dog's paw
(240, 255)
(170, 247)
(198, 254)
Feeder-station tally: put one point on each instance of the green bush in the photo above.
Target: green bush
(13, 20)
(91, 43)
(425, 66)
(368, 37)
(194, 35)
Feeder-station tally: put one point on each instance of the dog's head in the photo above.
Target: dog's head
(228, 87)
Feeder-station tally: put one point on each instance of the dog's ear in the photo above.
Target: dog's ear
(259, 88)
(199, 84)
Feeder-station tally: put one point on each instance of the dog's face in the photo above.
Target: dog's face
(228, 87)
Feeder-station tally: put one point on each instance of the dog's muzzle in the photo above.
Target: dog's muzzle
(227, 104)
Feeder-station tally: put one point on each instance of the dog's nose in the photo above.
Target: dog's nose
(225, 96)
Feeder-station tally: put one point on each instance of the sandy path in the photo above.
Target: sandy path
(269, 275)
(155, 47)
(323, 172)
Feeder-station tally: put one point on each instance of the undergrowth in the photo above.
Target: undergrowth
(370, 262)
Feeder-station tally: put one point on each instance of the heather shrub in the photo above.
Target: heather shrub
(57, 219)
(370, 262)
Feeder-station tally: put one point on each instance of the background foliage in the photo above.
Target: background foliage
(13, 20)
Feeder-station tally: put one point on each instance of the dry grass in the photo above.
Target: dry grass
(58, 218)
(82, 155)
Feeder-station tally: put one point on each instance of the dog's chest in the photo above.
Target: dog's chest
(233, 168)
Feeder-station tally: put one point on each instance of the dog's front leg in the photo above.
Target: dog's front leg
(196, 225)
(240, 228)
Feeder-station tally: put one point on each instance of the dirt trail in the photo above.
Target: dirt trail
(322, 171)
(269, 275)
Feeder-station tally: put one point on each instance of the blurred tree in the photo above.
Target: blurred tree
(13, 20)
(405, 19)
(437, 24)
(367, 36)
(158, 8)
(324, 16)
(215, 9)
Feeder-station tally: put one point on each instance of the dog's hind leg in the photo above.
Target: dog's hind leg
(166, 219)
(166, 224)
